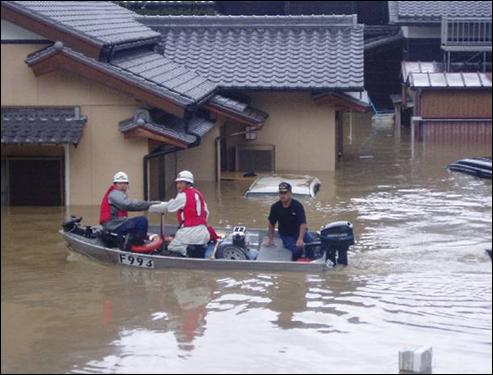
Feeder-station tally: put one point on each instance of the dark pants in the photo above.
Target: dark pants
(137, 226)
(289, 242)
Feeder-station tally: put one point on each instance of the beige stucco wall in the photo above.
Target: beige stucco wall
(201, 160)
(302, 131)
(103, 150)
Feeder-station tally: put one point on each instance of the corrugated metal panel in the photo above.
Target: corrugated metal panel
(455, 104)
(456, 132)
(471, 79)
(409, 67)
(454, 79)
(449, 80)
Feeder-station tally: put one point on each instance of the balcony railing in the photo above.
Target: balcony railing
(466, 34)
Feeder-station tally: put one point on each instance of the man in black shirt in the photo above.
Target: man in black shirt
(290, 215)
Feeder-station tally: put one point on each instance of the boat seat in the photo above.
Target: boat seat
(274, 253)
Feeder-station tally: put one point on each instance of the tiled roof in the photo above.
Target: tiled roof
(170, 127)
(147, 70)
(450, 80)
(99, 21)
(41, 125)
(403, 12)
(266, 52)
(251, 115)
(160, 70)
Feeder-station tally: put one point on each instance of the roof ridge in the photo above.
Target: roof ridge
(251, 21)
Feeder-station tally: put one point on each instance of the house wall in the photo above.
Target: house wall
(201, 160)
(455, 104)
(103, 150)
(303, 132)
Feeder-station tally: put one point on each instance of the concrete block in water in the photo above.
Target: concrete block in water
(415, 360)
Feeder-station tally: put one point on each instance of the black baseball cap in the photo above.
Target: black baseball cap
(284, 186)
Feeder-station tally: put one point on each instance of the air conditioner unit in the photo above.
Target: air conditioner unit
(255, 157)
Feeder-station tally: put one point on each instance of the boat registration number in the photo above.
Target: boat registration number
(136, 261)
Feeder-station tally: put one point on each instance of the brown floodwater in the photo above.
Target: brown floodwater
(418, 275)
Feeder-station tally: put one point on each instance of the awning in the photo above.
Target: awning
(236, 110)
(167, 128)
(345, 101)
(42, 125)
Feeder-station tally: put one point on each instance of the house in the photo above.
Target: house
(433, 30)
(298, 69)
(448, 107)
(446, 70)
(89, 88)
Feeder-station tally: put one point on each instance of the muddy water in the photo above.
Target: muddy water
(418, 275)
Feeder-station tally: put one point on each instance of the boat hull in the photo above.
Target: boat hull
(93, 248)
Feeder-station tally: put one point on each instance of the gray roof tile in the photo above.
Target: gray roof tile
(41, 125)
(403, 12)
(101, 21)
(266, 52)
(158, 69)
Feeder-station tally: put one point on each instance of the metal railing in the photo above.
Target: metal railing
(466, 33)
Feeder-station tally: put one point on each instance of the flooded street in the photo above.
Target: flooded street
(418, 275)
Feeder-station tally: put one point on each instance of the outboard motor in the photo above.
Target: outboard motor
(335, 239)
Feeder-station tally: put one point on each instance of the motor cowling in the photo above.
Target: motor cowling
(336, 238)
(338, 234)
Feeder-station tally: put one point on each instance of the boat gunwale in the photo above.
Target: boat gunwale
(176, 262)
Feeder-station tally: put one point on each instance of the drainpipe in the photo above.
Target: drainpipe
(66, 151)
(161, 151)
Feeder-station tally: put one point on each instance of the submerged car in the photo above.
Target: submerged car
(302, 185)
(480, 167)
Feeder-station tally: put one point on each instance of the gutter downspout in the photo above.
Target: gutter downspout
(66, 151)
(161, 151)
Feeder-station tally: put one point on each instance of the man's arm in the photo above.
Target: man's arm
(172, 205)
(270, 242)
(120, 200)
(272, 222)
(300, 242)
(302, 220)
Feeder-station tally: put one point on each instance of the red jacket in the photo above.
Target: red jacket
(187, 216)
(105, 214)
(189, 212)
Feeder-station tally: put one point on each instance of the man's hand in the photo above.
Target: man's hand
(160, 208)
(300, 244)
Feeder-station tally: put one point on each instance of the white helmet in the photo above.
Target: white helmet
(120, 177)
(186, 176)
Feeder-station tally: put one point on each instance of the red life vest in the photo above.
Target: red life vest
(105, 214)
(190, 213)
(187, 216)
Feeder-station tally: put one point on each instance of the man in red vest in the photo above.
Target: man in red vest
(192, 214)
(114, 212)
